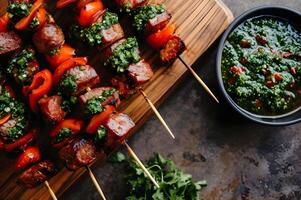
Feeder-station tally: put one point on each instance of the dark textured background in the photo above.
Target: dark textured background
(239, 159)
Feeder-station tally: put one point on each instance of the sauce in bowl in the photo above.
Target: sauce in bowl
(261, 66)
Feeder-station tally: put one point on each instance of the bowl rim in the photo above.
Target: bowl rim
(238, 21)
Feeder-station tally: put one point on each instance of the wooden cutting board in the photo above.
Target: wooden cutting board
(200, 23)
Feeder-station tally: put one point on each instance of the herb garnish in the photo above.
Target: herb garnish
(101, 134)
(34, 23)
(8, 105)
(93, 105)
(54, 51)
(174, 183)
(64, 133)
(68, 83)
(18, 129)
(124, 55)
(145, 13)
(117, 157)
(17, 11)
(18, 66)
(67, 104)
(92, 35)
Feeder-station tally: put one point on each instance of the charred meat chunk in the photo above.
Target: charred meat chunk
(51, 108)
(118, 128)
(23, 66)
(150, 18)
(49, 38)
(9, 42)
(129, 5)
(37, 174)
(140, 72)
(122, 54)
(174, 47)
(103, 32)
(78, 79)
(105, 95)
(158, 22)
(79, 153)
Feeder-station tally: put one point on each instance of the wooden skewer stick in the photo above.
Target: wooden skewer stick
(50, 190)
(198, 79)
(156, 112)
(96, 184)
(134, 156)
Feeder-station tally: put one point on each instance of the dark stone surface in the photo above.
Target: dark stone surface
(239, 159)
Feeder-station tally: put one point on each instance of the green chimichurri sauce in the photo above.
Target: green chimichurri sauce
(68, 83)
(125, 54)
(261, 66)
(92, 34)
(145, 13)
(17, 11)
(18, 66)
(93, 105)
(64, 133)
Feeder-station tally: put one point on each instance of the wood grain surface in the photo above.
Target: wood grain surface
(200, 23)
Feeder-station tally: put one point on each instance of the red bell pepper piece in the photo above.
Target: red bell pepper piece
(159, 39)
(65, 66)
(26, 139)
(73, 124)
(4, 21)
(41, 15)
(62, 3)
(29, 156)
(40, 86)
(99, 119)
(61, 56)
(23, 23)
(86, 13)
(5, 119)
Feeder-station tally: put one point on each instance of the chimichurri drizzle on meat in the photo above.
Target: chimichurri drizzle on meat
(261, 66)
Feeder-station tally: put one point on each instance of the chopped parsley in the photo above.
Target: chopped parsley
(18, 129)
(174, 183)
(67, 104)
(54, 51)
(126, 8)
(117, 157)
(34, 23)
(68, 83)
(17, 11)
(8, 105)
(145, 13)
(64, 133)
(18, 66)
(101, 134)
(124, 55)
(93, 105)
(92, 35)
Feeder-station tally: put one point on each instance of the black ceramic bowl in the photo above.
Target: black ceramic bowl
(294, 18)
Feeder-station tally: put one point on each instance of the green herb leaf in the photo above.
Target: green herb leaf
(124, 55)
(117, 157)
(68, 83)
(174, 183)
(64, 133)
(145, 13)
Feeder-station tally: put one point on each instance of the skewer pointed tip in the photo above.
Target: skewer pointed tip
(155, 110)
(50, 190)
(196, 76)
(96, 184)
(135, 157)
